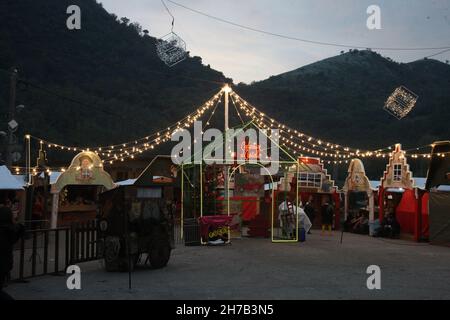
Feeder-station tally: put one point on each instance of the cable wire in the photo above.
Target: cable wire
(173, 18)
(322, 43)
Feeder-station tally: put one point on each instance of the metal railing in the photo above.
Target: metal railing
(40, 252)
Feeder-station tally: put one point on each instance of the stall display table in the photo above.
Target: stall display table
(214, 229)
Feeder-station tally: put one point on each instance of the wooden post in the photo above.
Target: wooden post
(54, 217)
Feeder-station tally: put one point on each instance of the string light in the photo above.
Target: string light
(131, 149)
(298, 142)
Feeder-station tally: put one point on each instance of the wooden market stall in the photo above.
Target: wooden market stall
(357, 186)
(12, 193)
(315, 184)
(241, 190)
(398, 194)
(438, 184)
(75, 192)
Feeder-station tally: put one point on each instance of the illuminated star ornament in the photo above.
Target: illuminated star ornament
(401, 102)
(171, 49)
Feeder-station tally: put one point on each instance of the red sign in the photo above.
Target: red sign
(308, 160)
(249, 151)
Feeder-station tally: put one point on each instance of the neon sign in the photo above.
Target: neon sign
(250, 151)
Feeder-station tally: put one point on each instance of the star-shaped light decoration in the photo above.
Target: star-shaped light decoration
(401, 102)
(171, 49)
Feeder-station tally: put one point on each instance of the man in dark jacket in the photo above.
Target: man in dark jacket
(327, 217)
(9, 234)
(310, 212)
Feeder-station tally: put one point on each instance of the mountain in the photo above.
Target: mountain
(101, 84)
(105, 84)
(341, 99)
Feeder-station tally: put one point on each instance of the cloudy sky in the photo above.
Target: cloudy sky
(248, 56)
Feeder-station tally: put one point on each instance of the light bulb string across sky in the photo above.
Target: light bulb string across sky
(290, 138)
(287, 141)
(290, 134)
(167, 137)
(285, 136)
(133, 143)
(258, 115)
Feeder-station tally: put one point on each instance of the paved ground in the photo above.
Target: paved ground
(321, 268)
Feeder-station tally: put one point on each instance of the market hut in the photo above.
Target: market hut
(357, 187)
(438, 183)
(75, 192)
(399, 194)
(12, 190)
(232, 193)
(154, 188)
(315, 183)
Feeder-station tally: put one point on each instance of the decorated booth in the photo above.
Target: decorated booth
(240, 196)
(438, 184)
(358, 192)
(12, 193)
(75, 192)
(316, 186)
(400, 196)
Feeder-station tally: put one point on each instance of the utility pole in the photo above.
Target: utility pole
(12, 125)
(226, 91)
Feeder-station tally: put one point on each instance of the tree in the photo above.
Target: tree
(125, 20)
(137, 27)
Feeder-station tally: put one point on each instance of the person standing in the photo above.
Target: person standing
(310, 212)
(37, 213)
(327, 217)
(10, 233)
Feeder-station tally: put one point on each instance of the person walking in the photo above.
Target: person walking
(310, 212)
(9, 234)
(327, 217)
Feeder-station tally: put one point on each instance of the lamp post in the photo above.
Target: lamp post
(12, 124)
(227, 90)
(11, 148)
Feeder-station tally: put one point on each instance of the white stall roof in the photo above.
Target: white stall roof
(128, 182)
(8, 181)
(54, 175)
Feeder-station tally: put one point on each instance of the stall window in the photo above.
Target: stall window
(397, 172)
(311, 180)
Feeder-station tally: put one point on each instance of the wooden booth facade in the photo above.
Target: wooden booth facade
(75, 192)
(315, 184)
(438, 184)
(241, 191)
(399, 195)
(358, 192)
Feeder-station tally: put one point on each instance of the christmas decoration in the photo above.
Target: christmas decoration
(401, 102)
(171, 49)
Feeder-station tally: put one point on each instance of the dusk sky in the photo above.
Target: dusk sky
(248, 56)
